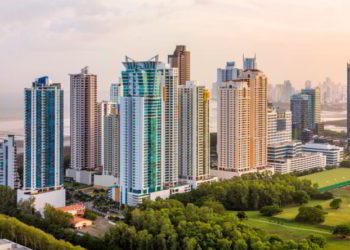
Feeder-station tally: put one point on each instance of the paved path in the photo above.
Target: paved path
(291, 227)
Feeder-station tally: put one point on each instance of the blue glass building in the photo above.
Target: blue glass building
(43, 148)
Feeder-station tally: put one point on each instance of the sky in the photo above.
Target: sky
(296, 40)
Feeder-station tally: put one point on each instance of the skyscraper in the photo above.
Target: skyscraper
(43, 142)
(104, 108)
(234, 134)
(315, 96)
(116, 91)
(301, 108)
(140, 130)
(279, 126)
(194, 156)
(181, 59)
(8, 163)
(111, 146)
(242, 114)
(83, 120)
(348, 101)
(169, 80)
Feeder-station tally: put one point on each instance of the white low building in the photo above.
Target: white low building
(55, 198)
(334, 154)
(299, 163)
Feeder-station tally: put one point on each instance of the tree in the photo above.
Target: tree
(270, 210)
(242, 215)
(57, 217)
(8, 200)
(301, 197)
(317, 239)
(335, 203)
(342, 230)
(313, 215)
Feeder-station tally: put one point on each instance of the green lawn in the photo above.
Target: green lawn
(283, 224)
(329, 177)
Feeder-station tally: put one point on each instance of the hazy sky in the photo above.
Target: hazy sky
(295, 40)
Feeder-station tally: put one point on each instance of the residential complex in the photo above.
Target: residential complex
(116, 90)
(141, 130)
(111, 163)
(193, 133)
(334, 154)
(242, 121)
(43, 144)
(104, 108)
(83, 120)
(8, 163)
(181, 59)
(279, 126)
(170, 120)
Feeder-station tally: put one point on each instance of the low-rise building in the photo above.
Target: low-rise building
(74, 209)
(334, 154)
(299, 163)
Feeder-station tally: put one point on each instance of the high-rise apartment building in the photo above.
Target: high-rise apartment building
(279, 126)
(43, 171)
(315, 96)
(8, 163)
(169, 80)
(83, 120)
(242, 115)
(181, 59)
(116, 91)
(104, 108)
(194, 146)
(234, 134)
(306, 111)
(43, 142)
(111, 144)
(141, 130)
(348, 101)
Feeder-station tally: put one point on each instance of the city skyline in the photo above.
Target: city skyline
(104, 33)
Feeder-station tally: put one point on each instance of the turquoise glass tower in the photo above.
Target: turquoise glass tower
(43, 156)
(140, 130)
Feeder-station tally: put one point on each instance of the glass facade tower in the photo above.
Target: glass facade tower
(43, 148)
(140, 130)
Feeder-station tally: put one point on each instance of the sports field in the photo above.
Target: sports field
(284, 225)
(329, 177)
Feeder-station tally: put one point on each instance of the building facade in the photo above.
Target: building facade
(301, 109)
(141, 130)
(315, 96)
(43, 142)
(279, 126)
(181, 59)
(116, 91)
(111, 144)
(170, 120)
(242, 121)
(104, 108)
(233, 127)
(334, 154)
(8, 163)
(83, 120)
(194, 145)
(299, 163)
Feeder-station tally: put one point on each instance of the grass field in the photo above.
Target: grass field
(329, 177)
(283, 224)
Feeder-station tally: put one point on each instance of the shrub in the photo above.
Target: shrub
(317, 239)
(335, 203)
(342, 230)
(313, 215)
(270, 210)
(323, 196)
(242, 215)
(90, 215)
